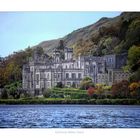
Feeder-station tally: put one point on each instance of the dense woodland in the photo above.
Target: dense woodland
(117, 36)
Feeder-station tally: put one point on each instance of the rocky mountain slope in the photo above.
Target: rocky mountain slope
(106, 36)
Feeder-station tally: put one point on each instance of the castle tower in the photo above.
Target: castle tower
(68, 53)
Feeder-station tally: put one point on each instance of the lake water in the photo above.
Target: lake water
(69, 116)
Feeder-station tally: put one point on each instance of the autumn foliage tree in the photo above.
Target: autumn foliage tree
(11, 67)
(135, 89)
(91, 91)
(121, 89)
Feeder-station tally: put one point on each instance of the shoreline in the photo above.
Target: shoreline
(70, 101)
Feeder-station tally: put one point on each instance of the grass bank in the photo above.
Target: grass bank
(71, 101)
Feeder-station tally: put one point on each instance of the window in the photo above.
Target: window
(110, 76)
(67, 75)
(86, 71)
(73, 75)
(48, 76)
(55, 75)
(79, 75)
(68, 83)
(67, 67)
(77, 64)
(37, 79)
(72, 66)
(59, 75)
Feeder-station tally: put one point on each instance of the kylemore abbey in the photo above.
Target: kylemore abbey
(44, 71)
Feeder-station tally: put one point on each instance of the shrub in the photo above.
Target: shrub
(109, 96)
(108, 88)
(59, 85)
(47, 93)
(99, 89)
(54, 95)
(25, 94)
(135, 77)
(78, 96)
(133, 86)
(4, 94)
(70, 101)
(71, 93)
(86, 83)
(94, 96)
(67, 97)
(121, 89)
(135, 89)
(73, 85)
(14, 89)
(90, 91)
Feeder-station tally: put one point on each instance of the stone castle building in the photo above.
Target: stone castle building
(44, 72)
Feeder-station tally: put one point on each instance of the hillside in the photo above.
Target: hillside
(106, 36)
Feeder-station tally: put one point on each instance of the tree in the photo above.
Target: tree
(90, 91)
(59, 85)
(132, 34)
(121, 89)
(4, 94)
(14, 89)
(11, 67)
(133, 56)
(135, 89)
(135, 77)
(73, 85)
(86, 83)
(39, 50)
(47, 93)
(133, 63)
(28, 52)
(99, 89)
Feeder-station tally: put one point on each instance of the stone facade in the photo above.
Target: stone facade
(45, 71)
